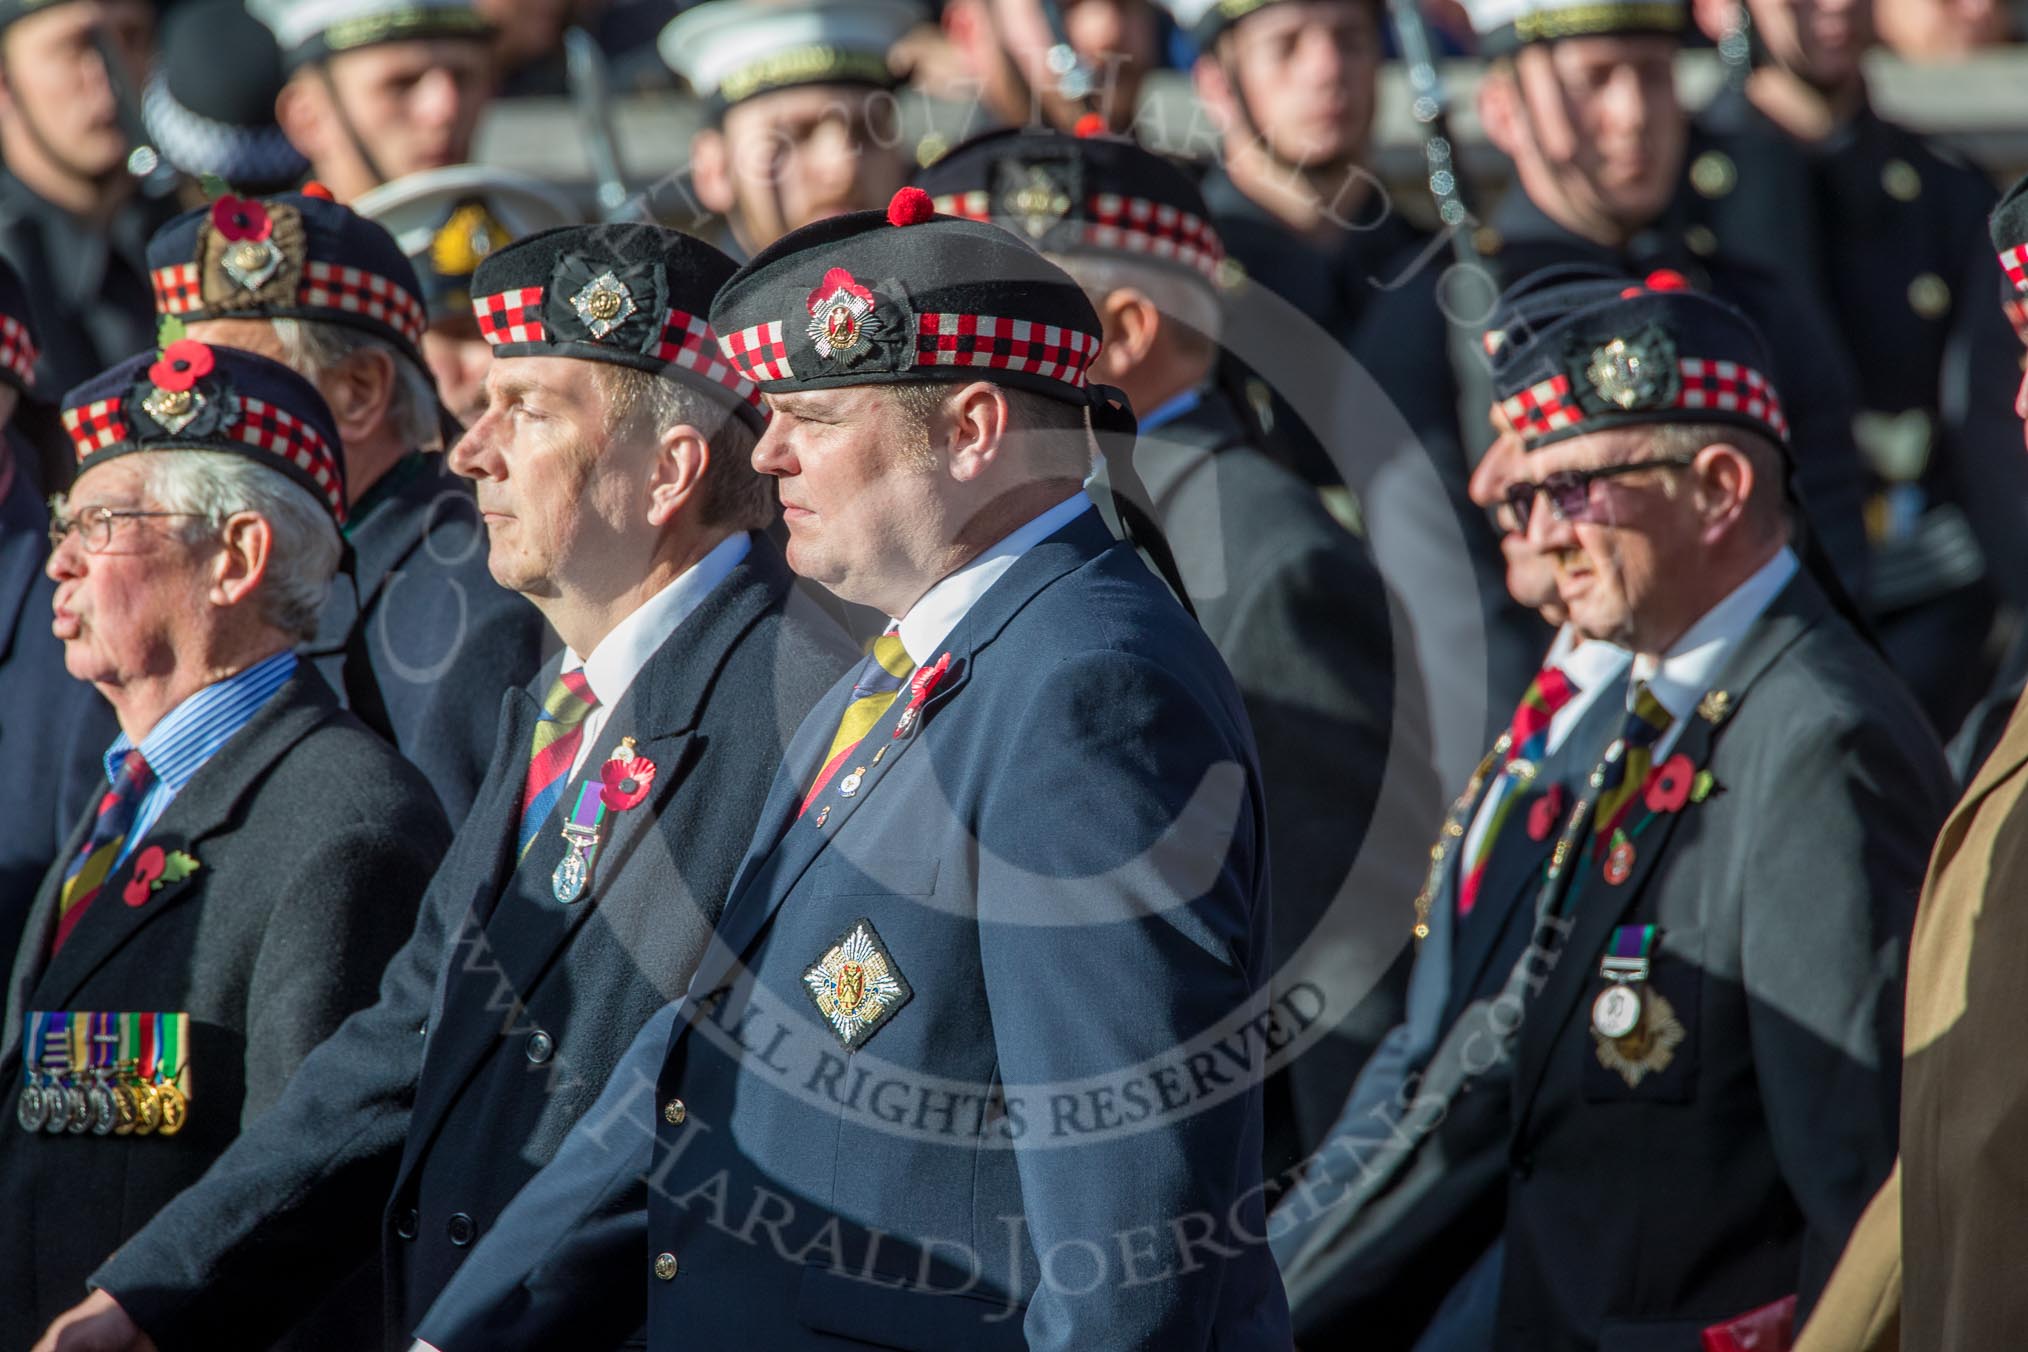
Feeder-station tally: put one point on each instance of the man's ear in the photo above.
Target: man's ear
(1499, 110)
(682, 458)
(1726, 483)
(360, 390)
(976, 428)
(303, 112)
(1214, 91)
(242, 560)
(711, 170)
(1131, 322)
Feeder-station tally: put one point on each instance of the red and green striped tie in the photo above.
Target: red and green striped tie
(880, 680)
(94, 863)
(553, 751)
(1549, 692)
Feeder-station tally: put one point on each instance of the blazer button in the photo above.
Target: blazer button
(406, 1223)
(665, 1266)
(460, 1229)
(673, 1112)
(1523, 1166)
(539, 1046)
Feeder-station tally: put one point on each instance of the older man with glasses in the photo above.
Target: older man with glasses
(255, 855)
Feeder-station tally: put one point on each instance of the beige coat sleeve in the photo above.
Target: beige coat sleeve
(1860, 1310)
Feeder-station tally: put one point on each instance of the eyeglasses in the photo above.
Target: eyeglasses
(1569, 490)
(94, 525)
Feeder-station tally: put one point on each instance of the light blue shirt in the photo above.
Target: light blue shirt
(1169, 410)
(191, 734)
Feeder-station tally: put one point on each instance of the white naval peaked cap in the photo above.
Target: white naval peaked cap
(732, 50)
(310, 30)
(1506, 25)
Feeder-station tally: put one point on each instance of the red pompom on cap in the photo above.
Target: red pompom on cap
(1090, 125)
(317, 190)
(911, 206)
(1667, 279)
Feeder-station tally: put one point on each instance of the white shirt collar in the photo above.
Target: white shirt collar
(621, 654)
(930, 620)
(1687, 670)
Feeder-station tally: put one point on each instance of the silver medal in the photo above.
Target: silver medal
(1617, 1011)
(567, 883)
(33, 1109)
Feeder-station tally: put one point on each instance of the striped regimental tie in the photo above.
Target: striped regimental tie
(553, 750)
(1624, 771)
(1527, 740)
(881, 679)
(94, 862)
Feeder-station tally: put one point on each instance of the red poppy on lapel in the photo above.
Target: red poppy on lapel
(155, 867)
(1668, 787)
(1546, 812)
(626, 782)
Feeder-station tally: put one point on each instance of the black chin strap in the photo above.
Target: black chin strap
(362, 690)
(1122, 499)
(352, 136)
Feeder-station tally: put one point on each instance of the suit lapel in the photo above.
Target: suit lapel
(769, 874)
(1595, 906)
(205, 805)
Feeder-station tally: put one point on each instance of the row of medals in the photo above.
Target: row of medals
(117, 1104)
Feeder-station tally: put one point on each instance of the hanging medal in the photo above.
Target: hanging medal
(105, 1106)
(581, 832)
(140, 1030)
(172, 1034)
(622, 784)
(77, 1104)
(32, 1110)
(1617, 1011)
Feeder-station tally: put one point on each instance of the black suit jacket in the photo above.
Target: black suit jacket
(1638, 1214)
(53, 727)
(501, 1018)
(444, 639)
(313, 842)
(1326, 665)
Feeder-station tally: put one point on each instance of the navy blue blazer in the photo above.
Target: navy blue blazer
(53, 727)
(1046, 900)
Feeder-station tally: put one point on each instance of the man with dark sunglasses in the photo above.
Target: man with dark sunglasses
(1702, 1096)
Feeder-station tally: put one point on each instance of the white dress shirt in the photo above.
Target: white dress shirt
(621, 654)
(930, 620)
(1680, 677)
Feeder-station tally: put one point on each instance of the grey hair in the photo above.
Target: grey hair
(311, 347)
(216, 485)
(1189, 303)
(733, 492)
(1770, 504)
